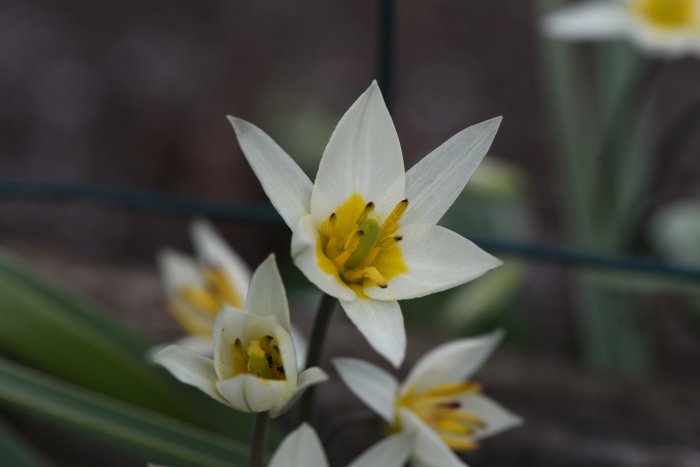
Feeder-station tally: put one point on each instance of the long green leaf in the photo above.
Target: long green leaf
(76, 341)
(148, 435)
(16, 452)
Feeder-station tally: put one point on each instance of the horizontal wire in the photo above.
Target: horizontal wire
(258, 213)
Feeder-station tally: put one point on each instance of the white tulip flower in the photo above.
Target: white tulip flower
(302, 448)
(364, 231)
(198, 288)
(254, 367)
(659, 27)
(436, 402)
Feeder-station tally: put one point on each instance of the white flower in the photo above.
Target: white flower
(302, 448)
(365, 231)
(254, 368)
(198, 288)
(436, 402)
(660, 27)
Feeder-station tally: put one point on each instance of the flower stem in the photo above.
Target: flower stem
(258, 442)
(313, 357)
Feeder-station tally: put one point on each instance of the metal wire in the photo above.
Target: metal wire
(263, 214)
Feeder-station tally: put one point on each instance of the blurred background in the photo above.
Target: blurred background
(601, 362)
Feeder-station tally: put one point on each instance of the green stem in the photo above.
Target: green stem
(313, 357)
(258, 442)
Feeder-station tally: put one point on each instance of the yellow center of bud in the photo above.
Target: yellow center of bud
(441, 410)
(666, 14)
(261, 358)
(360, 249)
(207, 299)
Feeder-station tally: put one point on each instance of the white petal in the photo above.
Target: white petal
(381, 322)
(267, 297)
(393, 451)
(433, 184)
(232, 324)
(374, 386)
(363, 156)
(304, 239)
(497, 418)
(307, 378)
(428, 449)
(437, 259)
(196, 344)
(287, 186)
(301, 448)
(249, 393)
(213, 250)
(593, 19)
(450, 362)
(177, 270)
(190, 368)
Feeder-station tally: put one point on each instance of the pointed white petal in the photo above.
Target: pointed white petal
(433, 184)
(287, 186)
(190, 368)
(450, 362)
(589, 20)
(232, 324)
(437, 259)
(497, 418)
(306, 258)
(213, 250)
(428, 449)
(307, 378)
(363, 156)
(196, 344)
(267, 297)
(393, 451)
(301, 448)
(249, 393)
(374, 386)
(381, 322)
(177, 270)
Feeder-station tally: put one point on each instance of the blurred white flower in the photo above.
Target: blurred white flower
(660, 27)
(436, 402)
(302, 448)
(254, 368)
(198, 288)
(365, 231)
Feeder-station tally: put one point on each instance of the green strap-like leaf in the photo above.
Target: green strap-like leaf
(150, 436)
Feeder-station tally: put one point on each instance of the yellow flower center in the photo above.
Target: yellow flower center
(666, 14)
(261, 358)
(207, 299)
(358, 248)
(441, 410)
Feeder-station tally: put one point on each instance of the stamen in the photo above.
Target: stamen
(467, 418)
(390, 241)
(375, 276)
(392, 221)
(453, 427)
(370, 257)
(341, 259)
(365, 212)
(353, 240)
(333, 225)
(199, 298)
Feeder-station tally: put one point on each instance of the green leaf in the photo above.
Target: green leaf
(66, 336)
(16, 452)
(148, 435)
